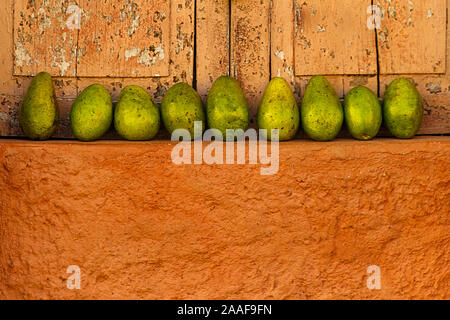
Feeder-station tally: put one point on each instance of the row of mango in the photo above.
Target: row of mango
(136, 116)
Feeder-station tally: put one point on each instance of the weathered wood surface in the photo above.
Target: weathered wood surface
(250, 49)
(213, 43)
(412, 36)
(332, 37)
(418, 50)
(264, 41)
(42, 40)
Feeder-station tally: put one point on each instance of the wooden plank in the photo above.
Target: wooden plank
(213, 43)
(437, 115)
(282, 44)
(17, 85)
(327, 43)
(435, 88)
(412, 37)
(181, 64)
(250, 49)
(8, 85)
(9, 116)
(124, 39)
(42, 39)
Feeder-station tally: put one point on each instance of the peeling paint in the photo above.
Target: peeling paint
(22, 55)
(146, 58)
(434, 87)
(59, 60)
(359, 81)
(134, 52)
(321, 28)
(279, 54)
(410, 11)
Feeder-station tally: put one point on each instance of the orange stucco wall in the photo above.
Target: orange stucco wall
(140, 226)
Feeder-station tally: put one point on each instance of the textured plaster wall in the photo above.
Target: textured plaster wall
(139, 226)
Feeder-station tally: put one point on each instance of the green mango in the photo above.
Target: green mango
(402, 109)
(136, 116)
(279, 110)
(39, 114)
(363, 113)
(181, 107)
(226, 106)
(321, 113)
(91, 113)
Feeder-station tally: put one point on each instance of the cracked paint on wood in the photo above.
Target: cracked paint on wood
(263, 44)
(332, 38)
(412, 36)
(42, 40)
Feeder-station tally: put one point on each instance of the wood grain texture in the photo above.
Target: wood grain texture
(282, 44)
(42, 41)
(213, 43)
(250, 49)
(141, 227)
(332, 38)
(286, 22)
(257, 27)
(124, 39)
(412, 37)
(435, 88)
(13, 88)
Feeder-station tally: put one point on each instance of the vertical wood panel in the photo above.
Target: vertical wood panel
(250, 55)
(213, 42)
(435, 88)
(413, 36)
(9, 85)
(42, 39)
(181, 63)
(250, 48)
(332, 38)
(282, 43)
(124, 39)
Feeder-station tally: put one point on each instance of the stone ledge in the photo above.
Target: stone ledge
(142, 227)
